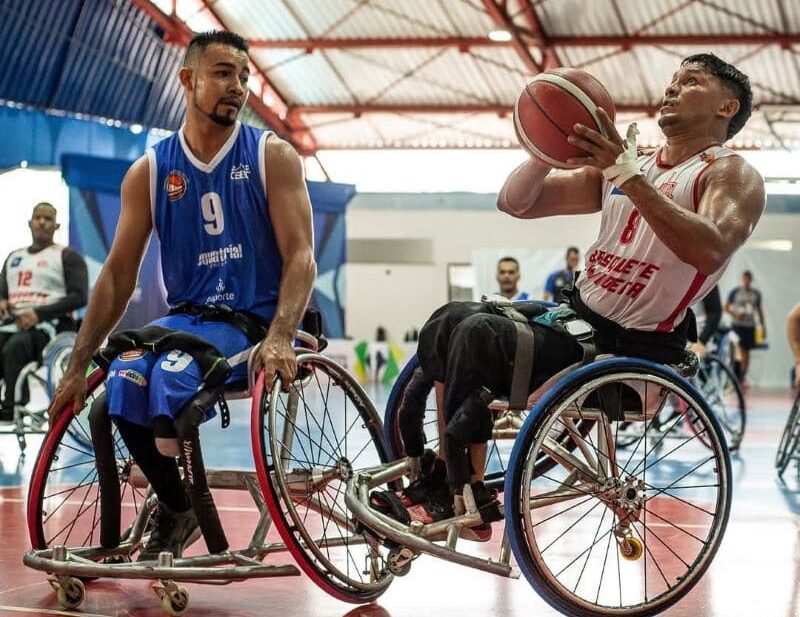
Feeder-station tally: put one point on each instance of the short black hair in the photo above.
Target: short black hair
(45, 203)
(201, 41)
(734, 80)
(509, 258)
(747, 273)
(573, 249)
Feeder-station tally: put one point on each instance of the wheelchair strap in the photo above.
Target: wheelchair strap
(254, 328)
(523, 367)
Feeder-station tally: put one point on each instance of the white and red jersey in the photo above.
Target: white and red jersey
(630, 276)
(35, 279)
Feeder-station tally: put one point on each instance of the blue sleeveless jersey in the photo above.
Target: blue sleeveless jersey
(217, 241)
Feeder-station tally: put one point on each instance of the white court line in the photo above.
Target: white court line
(47, 611)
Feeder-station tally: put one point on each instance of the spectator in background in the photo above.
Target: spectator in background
(40, 286)
(793, 334)
(560, 279)
(744, 306)
(508, 280)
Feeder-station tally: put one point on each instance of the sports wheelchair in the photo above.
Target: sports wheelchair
(43, 374)
(570, 496)
(790, 439)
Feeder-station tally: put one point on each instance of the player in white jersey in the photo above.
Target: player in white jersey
(40, 285)
(671, 220)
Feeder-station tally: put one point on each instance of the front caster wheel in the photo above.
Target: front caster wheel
(175, 603)
(631, 548)
(71, 593)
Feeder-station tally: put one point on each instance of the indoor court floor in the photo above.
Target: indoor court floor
(755, 573)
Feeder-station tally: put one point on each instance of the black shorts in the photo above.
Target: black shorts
(747, 336)
(434, 337)
(482, 354)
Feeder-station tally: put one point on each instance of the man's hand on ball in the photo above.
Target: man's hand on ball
(603, 151)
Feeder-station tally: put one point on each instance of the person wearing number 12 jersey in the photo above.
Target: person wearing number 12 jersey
(229, 206)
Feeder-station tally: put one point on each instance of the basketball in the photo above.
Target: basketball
(550, 106)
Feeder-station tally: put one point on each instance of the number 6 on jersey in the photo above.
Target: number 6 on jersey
(212, 213)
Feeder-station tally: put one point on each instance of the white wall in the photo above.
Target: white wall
(399, 297)
(21, 190)
(402, 296)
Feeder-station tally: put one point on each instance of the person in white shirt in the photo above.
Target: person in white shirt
(40, 286)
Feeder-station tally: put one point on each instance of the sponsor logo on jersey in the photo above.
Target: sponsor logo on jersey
(42, 263)
(175, 185)
(132, 376)
(240, 172)
(15, 262)
(668, 188)
(219, 257)
(220, 286)
(133, 354)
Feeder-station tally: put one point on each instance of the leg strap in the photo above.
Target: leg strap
(107, 474)
(523, 367)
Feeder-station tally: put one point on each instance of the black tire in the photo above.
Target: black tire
(723, 392)
(787, 446)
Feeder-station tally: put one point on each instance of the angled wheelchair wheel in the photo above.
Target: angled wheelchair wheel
(499, 448)
(608, 531)
(56, 359)
(790, 438)
(64, 500)
(723, 393)
(306, 443)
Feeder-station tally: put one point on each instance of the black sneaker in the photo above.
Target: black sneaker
(172, 532)
(432, 486)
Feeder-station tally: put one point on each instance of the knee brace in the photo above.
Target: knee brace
(194, 473)
(412, 413)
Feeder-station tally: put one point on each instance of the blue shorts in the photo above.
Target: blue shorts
(141, 386)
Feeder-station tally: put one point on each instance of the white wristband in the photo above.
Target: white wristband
(626, 166)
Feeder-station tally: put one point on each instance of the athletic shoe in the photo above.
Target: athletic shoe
(490, 509)
(172, 532)
(432, 485)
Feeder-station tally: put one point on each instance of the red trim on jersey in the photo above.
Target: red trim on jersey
(664, 165)
(669, 322)
(696, 187)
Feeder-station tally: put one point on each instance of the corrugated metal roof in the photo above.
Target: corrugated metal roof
(95, 57)
(104, 57)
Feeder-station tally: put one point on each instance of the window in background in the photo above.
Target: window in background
(460, 282)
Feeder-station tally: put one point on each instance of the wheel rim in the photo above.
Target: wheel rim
(719, 387)
(64, 500)
(310, 451)
(678, 512)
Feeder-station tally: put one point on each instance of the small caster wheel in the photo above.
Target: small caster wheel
(71, 593)
(175, 603)
(631, 548)
(399, 561)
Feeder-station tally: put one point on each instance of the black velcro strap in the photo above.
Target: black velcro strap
(523, 367)
(224, 412)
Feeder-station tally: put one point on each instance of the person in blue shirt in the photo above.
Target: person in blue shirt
(559, 279)
(508, 280)
(229, 205)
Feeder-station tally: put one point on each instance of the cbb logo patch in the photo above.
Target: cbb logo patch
(175, 185)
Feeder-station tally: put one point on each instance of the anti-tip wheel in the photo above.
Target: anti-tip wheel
(631, 548)
(175, 603)
(71, 593)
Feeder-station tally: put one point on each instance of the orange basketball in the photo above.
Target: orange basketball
(550, 106)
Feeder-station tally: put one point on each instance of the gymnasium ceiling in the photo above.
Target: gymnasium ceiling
(347, 74)
(424, 73)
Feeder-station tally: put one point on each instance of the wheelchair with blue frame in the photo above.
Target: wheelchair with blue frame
(593, 530)
(30, 417)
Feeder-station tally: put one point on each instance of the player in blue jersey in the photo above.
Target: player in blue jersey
(229, 205)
